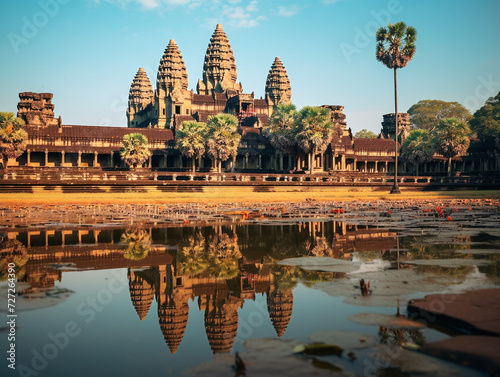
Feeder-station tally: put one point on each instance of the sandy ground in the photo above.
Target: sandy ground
(210, 195)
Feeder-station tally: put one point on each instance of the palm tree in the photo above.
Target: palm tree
(451, 138)
(13, 139)
(138, 243)
(313, 130)
(418, 148)
(394, 55)
(222, 138)
(190, 140)
(135, 149)
(280, 128)
(192, 258)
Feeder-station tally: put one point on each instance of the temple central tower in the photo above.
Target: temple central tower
(219, 68)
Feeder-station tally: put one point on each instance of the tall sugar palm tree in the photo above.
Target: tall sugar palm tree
(313, 130)
(222, 138)
(395, 48)
(190, 140)
(134, 150)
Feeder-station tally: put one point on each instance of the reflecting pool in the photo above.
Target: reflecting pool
(165, 301)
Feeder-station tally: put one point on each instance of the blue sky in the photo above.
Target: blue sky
(87, 52)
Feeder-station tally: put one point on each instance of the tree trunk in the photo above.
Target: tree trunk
(449, 166)
(219, 165)
(5, 162)
(395, 188)
(193, 159)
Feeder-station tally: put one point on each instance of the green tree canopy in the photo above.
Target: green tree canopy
(222, 138)
(13, 138)
(427, 113)
(486, 120)
(418, 148)
(190, 140)
(280, 128)
(364, 133)
(135, 149)
(451, 138)
(313, 130)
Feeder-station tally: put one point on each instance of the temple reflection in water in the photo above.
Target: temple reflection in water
(220, 266)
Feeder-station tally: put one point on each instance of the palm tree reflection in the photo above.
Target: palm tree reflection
(138, 243)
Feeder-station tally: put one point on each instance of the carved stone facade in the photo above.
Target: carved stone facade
(389, 126)
(36, 109)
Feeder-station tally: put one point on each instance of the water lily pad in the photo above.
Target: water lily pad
(416, 363)
(385, 320)
(346, 339)
(265, 357)
(321, 264)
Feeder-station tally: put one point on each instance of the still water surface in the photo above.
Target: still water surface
(160, 301)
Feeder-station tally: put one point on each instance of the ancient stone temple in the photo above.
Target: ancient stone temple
(217, 92)
(157, 113)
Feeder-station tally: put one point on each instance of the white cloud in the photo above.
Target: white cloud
(149, 4)
(288, 11)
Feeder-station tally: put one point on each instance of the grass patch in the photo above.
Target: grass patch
(213, 194)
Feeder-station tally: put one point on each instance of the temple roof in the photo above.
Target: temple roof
(141, 91)
(373, 144)
(279, 306)
(278, 84)
(173, 317)
(172, 71)
(141, 294)
(219, 67)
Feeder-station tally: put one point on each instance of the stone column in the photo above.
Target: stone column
(386, 166)
(63, 158)
(342, 162)
(260, 161)
(150, 161)
(95, 159)
(29, 156)
(246, 160)
(281, 161)
(298, 162)
(355, 165)
(79, 159)
(366, 166)
(111, 159)
(46, 157)
(165, 160)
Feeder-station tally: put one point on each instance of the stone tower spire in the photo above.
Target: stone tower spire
(172, 73)
(171, 84)
(173, 317)
(278, 89)
(279, 306)
(219, 68)
(140, 98)
(141, 294)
